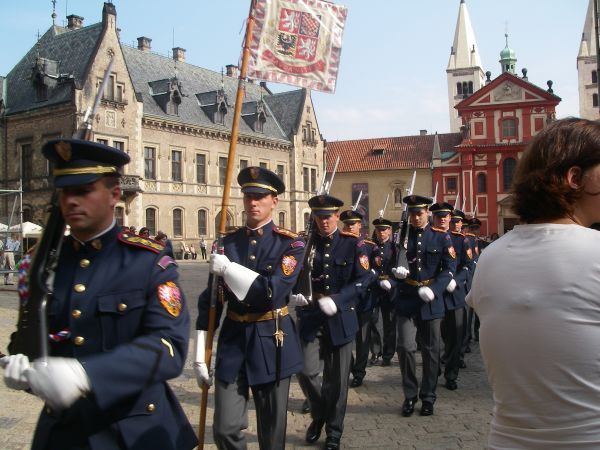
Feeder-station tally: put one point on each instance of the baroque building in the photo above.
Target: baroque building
(174, 120)
(587, 68)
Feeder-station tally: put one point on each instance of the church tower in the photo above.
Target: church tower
(587, 68)
(464, 72)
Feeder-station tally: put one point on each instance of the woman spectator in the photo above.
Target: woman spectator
(163, 239)
(536, 291)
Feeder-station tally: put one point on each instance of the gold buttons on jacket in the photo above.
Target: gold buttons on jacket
(84, 263)
(327, 245)
(252, 257)
(326, 265)
(75, 314)
(79, 288)
(253, 242)
(79, 341)
(121, 307)
(150, 407)
(326, 255)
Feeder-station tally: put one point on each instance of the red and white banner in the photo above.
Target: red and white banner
(297, 42)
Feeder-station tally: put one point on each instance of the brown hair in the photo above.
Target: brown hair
(540, 191)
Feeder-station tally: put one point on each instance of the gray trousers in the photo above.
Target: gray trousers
(327, 399)
(388, 335)
(428, 333)
(453, 331)
(231, 413)
(359, 365)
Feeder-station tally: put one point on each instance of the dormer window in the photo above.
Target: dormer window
(175, 102)
(378, 151)
(44, 75)
(309, 134)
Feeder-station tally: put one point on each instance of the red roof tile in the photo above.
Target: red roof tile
(403, 152)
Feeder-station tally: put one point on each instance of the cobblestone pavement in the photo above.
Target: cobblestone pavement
(373, 418)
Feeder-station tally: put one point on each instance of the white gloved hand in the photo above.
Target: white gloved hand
(328, 306)
(297, 300)
(200, 368)
(218, 264)
(400, 272)
(385, 285)
(451, 286)
(60, 382)
(426, 294)
(14, 368)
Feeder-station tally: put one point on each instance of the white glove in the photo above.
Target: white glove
(297, 300)
(451, 286)
(385, 285)
(60, 382)
(200, 367)
(400, 272)
(14, 368)
(426, 294)
(238, 278)
(328, 306)
(218, 264)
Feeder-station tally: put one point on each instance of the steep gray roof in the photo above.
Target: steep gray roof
(67, 53)
(152, 74)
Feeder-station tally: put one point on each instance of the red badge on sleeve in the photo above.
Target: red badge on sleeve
(170, 298)
(288, 265)
(364, 261)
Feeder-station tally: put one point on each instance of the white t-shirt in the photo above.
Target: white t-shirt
(537, 293)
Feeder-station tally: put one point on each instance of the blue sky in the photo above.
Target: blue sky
(392, 78)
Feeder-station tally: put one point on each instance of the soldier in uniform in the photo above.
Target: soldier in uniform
(258, 345)
(328, 325)
(472, 321)
(364, 308)
(118, 322)
(420, 304)
(382, 294)
(454, 297)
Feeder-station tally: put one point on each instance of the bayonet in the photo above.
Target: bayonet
(355, 206)
(382, 211)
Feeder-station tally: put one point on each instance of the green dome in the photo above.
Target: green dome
(508, 53)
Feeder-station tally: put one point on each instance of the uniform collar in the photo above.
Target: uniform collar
(99, 241)
(330, 236)
(259, 231)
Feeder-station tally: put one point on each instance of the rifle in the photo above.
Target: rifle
(402, 236)
(456, 201)
(475, 211)
(355, 206)
(435, 193)
(304, 282)
(31, 337)
(381, 211)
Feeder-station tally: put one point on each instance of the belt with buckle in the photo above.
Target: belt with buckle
(256, 317)
(412, 282)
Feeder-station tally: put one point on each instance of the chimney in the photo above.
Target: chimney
(74, 22)
(422, 132)
(144, 43)
(179, 54)
(109, 15)
(232, 70)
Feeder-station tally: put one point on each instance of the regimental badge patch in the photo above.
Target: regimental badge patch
(469, 253)
(170, 298)
(297, 244)
(288, 265)
(364, 261)
(452, 252)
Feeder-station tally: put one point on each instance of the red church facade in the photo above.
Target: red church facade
(499, 120)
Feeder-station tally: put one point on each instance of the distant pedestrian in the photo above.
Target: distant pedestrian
(144, 232)
(203, 248)
(12, 246)
(193, 252)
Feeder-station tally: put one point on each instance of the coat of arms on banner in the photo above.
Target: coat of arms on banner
(297, 42)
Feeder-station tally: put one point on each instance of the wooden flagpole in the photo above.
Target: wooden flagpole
(212, 315)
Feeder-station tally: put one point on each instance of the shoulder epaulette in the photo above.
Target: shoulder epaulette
(369, 241)
(140, 242)
(285, 232)
(439, 230)
(356, 235)
(457, 233)
(470, 234)
(347, 234)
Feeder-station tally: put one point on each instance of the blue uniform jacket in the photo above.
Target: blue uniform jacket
(431, 256)
(118, 298)
(474, 242)
(365, 300)
(383, 261)
(276, 255)
(464, 263)
(340, 270)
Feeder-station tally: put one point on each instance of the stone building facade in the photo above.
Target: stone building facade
(173, 118)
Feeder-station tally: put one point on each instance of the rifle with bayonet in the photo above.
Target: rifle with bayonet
(355, 206)
(31, 337)
(456, 200)
(382, 211)
(304, 282)
(402, 236)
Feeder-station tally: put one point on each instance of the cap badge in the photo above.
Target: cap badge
(254, 173)
(322, 200)
(63, 149)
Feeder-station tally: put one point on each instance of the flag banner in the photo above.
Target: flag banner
(297, 42)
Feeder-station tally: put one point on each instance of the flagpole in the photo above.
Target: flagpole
(212, 314)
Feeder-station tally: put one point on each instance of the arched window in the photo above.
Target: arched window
(202, 222)
(151, 220)
(594, 76)
(459, 88)
(120, 215)
(397, 197)
(306, 220)
(508, 172)
(595, 100)
(282, 219)
(481, 183)
(470, 87)
(177, 222)
(228, 222)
